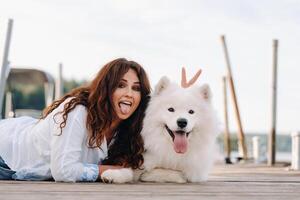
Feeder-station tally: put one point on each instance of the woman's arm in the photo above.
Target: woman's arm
(67, 150)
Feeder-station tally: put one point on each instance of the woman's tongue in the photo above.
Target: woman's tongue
(125, 109)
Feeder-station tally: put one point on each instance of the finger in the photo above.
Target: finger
(183, 77)
(194, 79)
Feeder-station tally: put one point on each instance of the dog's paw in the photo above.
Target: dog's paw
(117, 175)
(163, 175)
(137, 174)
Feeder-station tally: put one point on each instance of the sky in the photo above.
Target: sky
(163, 36)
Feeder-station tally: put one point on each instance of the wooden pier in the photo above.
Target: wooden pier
(234, 182)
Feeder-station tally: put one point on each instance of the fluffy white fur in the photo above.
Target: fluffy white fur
(161, 162)
(117, 176)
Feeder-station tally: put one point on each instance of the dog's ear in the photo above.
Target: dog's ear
(161, 85)
(206, 92)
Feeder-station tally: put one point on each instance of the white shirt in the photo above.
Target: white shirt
(37, 151)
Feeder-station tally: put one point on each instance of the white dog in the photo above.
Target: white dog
(179, 132)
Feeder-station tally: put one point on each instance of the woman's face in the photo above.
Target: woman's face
(127, 96)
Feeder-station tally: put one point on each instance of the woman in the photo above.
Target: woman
(72, 138)
(91, 129)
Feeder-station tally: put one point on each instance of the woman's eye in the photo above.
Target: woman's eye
(191, 112)
(136, 88)
(121, 85)
(171, 109)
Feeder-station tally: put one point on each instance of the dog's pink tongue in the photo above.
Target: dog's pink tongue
(180, 143)
(124, 109)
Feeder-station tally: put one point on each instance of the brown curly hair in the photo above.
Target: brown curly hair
(127, 147)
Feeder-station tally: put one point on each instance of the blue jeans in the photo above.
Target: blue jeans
(5, 172)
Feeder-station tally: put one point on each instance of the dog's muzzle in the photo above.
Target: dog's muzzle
(180, 140)
(180, 132)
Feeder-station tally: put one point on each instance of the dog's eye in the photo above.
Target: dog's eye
(191, 112)
(171, 109)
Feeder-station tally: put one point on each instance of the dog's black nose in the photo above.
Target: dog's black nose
(182, 122)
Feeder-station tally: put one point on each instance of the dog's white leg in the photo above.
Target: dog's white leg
(197, 174)
(163, 175)
(124, 175)
(197, 177)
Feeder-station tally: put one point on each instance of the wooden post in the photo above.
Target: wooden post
(227, 147)
(241, 143)
(295, 165)
(9, 110)
(59, 83)
(272, 135)
(5, 64)
(257, 150)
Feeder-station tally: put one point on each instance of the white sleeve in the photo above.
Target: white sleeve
(66, 150)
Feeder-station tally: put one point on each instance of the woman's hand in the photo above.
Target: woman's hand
(184, 82)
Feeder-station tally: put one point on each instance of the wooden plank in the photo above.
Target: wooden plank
(226, 182)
